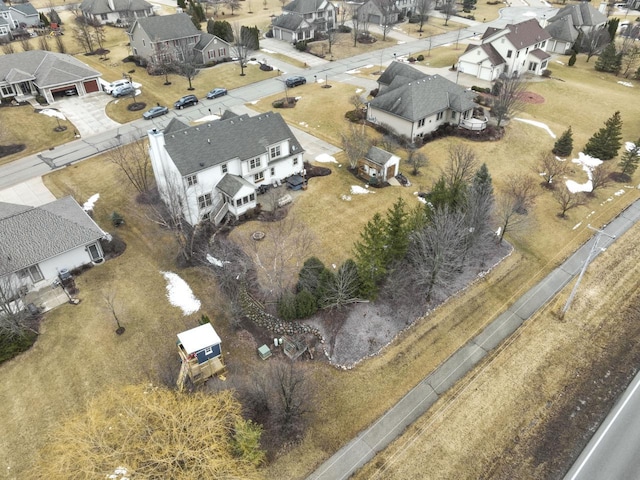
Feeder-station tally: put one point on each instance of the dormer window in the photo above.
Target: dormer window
(275, 152)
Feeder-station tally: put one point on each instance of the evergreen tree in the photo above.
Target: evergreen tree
(310, 274)
(250, 37)
(182, 4)
(612, 27)
(478, 211)
(396, 232)
(564, 144)
(221, 29)
(572, 58)
(306, 304)
(610, 60)
(439, 197)
(605, 143)
(196, 22)
(44, 20)
(482, 183)
(370, 253)
(630, 159)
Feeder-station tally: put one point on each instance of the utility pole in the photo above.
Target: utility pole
(585, 265)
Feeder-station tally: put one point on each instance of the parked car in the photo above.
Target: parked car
(71, 92)
(113, 85)
(217, 92)
(295, 81)
(186, 101)
(155, 112)
(123, 90)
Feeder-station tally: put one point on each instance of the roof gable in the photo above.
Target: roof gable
(305, 6)
(378, 156)
(97, 7)
(581, 14)
(166, 27)
(562, 28)
(288, 21)
(526, 34)
(399, 69)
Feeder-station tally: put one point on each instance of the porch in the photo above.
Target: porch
(47, 298)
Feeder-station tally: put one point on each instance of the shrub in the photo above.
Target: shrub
(269, 34)
(495, 90)
(306, 304)
(287, 306)
(41, 100)
(113, 247)
(354, 116)
(344, 29)
(116, 219)
(475, 88)
(546, 73)
(278, 104)
(301, 46)
(420, 57)
(411, 59)
(572, 59)
(374, 92)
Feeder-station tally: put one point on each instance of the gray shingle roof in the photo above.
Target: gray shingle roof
(197, 148)
(396, 69)
(304, 6)
(582, 14)
(494, 56)
(540, 54)
(33, 234)
(378, 156)
(48, 68)
(167, 27)
(526, 34)
(175, 125)
(25, 8)
(97, 7)
(288, 21)
(424, 97)
(562, 28)
(231, 184)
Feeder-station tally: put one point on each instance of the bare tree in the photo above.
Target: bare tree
(550, 168)
(600, 177)
(387, 9)
(416, 160)
(43, 43)
(356, 21)
(593, 41)
(522, 188)
(60, 46)
(449, 9)
(436, 250)
(186, 62)
(232, 5)
(294, 394)
(423, 8)
(98, 33)
(355, 144)
(82, 32)
(239, 48)
(567, 200)
(8, 48)
(508, 218)
(343, 287)
(510, 98)
(332, 36)
(462, 165)
(133, 160)
(630, 56)
(13, 314)
(111, 305)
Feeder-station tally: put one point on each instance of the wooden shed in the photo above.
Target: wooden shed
(379, 164)
(200, 350)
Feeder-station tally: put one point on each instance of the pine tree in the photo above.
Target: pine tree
(564, 144)
(610, 60)
(612, 28)
(44, 19)
(397, 234)
(370, 253)
(605, 143)
(572, 58)
(221, 29)
(630, 159)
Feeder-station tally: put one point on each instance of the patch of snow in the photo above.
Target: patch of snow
(629, 146)
(208, 118)
(320, 80)
(498, 231)
(368, 66)
(400, 42)
(561, 159)
(253, 62)
(529, 14)
(266, 50)
(577, 225)
(626, 84)
(88, 205)
(422, 200)
(358, 190)
(346, 198)
(619, 192)
(180, 295)
(50, 112)
(359, 90)
(558, 61)
(304, 124)
(588, 164)
(298, 98)
(325, 158)
(537, 124)
(334, 266)
(253, 102)
(214, 261)
(352, 72)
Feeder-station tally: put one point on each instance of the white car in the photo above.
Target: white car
(114, 85)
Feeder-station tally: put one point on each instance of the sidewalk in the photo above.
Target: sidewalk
(393, 423)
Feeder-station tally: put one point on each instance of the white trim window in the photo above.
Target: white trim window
(258, 177)
(254, 163)
(192, 180)
(32, 272)
(224, 168)
(204, 201)
(274, 152)
(208, 350)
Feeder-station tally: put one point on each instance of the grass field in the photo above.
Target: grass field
(79, 354)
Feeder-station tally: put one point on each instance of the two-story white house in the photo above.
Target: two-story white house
(216, 168)
(512, 50)
(304, 20)
(413, 103)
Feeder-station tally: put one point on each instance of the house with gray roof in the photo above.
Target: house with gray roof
(174, 38)
(378, 12)
(378, 164)
(15, 17)
(36, 243)
(513, 50)
(119, 13)
(214, 169)
(304, 20)
(571, 22)
(37, 72)
(414, 104)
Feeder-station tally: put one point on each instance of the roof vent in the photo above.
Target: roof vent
(202, 164)
(155, 130)
(208, 140)
(185, 132)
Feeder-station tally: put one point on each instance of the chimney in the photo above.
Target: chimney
(112, 7)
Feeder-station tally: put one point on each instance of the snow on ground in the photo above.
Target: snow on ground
(352, 72)
(359, 90)
(529, 14)
(346, 198)
(537, 124)
(253, 102)
(588, 164)
(214, 261)
(253, 62)
(303, 124)
(368, 66)
(180, 294)
(577, 225)
(626, 84)
(558, 61)
(325, 158)
(400, 42)
(88, 205)
(619, 192)
(629, 146)
(266, 50)
(50, 112)
(208, 118)
(321, 80)
(358, 190)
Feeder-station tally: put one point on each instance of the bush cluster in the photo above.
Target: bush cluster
(344, 29)
(301, 45)
(476, 88)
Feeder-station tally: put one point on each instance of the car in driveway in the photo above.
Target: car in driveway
(113, 85)
(295, 81)
(155, 112)
(123, 90)
(217, 92)
(186, 101)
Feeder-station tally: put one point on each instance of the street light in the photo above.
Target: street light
(394, 57)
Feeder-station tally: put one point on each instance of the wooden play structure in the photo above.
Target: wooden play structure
(201, 353)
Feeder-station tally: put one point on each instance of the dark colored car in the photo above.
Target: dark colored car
(217, 92)
(186, 101)
(295, 81)
(155, 112)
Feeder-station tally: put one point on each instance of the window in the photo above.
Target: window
(222, 52)
(543, 44)
(252, 197)
(33, 272)
(440, 116)
(95, 253)
(208, 350)
(224, 168)
(245, 199)
(273, 171)
(103, 16)
(526, 51)
(544, 64)
(509, 53)
(192, 180)
(204, 201)
(254, 163)
(453, 115)
(421, 122)
(8, 90)
(533, 66)
(258, 177)
(275, 152)
(295, 161)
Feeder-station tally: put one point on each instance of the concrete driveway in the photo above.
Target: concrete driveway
(87, 113)
(32, 192)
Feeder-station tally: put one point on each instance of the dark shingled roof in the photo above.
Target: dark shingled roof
(526, 34)
(288, 21)
(175, 125)
(46, 68)
(562, 28)
(25, 8)
(494, 56)
(581, 14)
(29, 235)
(396, 69)
(97, 7)
(161, 28)
(304, 6)
(231, 184)
(541, 54)
(378, 156)
(197, 148)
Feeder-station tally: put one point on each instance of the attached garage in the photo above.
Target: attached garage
(91, 86)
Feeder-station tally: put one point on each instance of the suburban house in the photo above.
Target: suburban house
(379, 12)
(572, 21)
(413, 103)
(115, 12)
(25, 75)
(15, 17)
(216, 168)
(304, 20)
(175, 38)
(512, 50)
(378, 164)
(37, 243)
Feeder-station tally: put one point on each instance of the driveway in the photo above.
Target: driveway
(32, 193)
(87, 113)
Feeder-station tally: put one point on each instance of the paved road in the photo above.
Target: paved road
(612, 453)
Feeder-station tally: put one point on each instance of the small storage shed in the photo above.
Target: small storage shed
(378, 163)
(201, 354)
